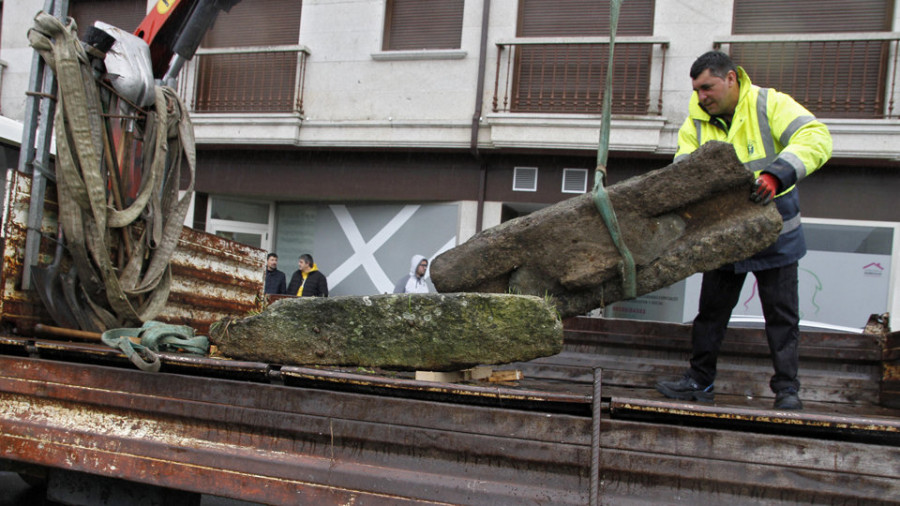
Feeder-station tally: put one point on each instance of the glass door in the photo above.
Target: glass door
(243, 221)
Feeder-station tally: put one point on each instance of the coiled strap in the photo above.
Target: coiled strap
(155, 337)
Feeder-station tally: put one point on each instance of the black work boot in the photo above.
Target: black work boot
(686, 389)
(788, 399)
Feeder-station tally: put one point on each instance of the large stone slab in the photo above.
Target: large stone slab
(688, 217)
(436, 332)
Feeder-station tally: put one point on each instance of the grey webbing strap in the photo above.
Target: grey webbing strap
(141, 290)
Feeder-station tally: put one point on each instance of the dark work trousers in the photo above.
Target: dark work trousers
(778, 294)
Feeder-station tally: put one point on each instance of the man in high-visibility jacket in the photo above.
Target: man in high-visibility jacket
(781, 143)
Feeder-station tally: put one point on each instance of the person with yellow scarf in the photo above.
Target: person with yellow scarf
(308, 281)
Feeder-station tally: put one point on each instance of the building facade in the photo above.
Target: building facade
(367, 131)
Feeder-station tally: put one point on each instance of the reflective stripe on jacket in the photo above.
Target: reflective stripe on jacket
(770, 132)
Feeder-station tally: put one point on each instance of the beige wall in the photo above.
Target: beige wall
(358, 96)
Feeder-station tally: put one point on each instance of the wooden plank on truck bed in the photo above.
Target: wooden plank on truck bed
(474, 374)
(504, 376)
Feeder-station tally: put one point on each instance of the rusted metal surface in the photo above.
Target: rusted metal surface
(596, 436)
(512, 398)
(855, 421)
(835, 367)
(101, 354)
(887, 430)
(212, 276)
(293, 435)
(680, 464)
(282, 444)
(15, 304)
(890, 376)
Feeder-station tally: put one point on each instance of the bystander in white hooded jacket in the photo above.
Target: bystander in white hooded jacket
(412, 283)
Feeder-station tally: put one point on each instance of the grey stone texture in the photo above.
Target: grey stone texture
(691, 216)
(436, 332)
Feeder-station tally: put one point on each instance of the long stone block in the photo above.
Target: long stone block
(436, 332)
(688, 217)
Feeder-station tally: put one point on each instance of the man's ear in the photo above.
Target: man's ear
(731, 77)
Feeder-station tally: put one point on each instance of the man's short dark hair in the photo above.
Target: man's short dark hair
(272, 255)
(718, 63)
(307, 258)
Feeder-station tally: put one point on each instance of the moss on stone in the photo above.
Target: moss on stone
(403, 331)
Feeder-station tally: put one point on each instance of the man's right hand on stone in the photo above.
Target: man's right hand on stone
(764, 189)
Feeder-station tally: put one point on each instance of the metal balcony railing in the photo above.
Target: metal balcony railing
(247, 80)
(568, 75)
(845, 75)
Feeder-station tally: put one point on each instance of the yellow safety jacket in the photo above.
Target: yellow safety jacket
(770, 133)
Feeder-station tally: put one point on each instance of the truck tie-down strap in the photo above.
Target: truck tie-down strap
(111, 295)
(155, 336)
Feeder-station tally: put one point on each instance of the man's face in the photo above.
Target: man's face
(304, 267)
(717, 96)
(421, 268)
(272, 263)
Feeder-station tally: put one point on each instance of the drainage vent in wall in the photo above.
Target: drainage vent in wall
(525, 179)
(574, 180)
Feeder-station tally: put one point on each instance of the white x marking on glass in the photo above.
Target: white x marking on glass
(364, 252)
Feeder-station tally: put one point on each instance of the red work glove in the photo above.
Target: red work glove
(764, 189)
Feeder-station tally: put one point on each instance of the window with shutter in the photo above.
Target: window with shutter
(253, 23)
(569, 78)
(811, 16)
(582, 18)
(124, 14)
(833, 79)
(423, 24)
(261, 81)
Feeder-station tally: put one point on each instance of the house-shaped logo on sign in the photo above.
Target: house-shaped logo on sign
(873, 269)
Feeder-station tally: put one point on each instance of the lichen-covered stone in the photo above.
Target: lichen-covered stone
(437, 332)
(688, 217)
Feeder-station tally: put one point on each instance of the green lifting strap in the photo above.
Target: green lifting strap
(601, 197)
(601, 201)
(155, 336)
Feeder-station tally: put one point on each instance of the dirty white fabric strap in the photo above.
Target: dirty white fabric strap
(139, 292)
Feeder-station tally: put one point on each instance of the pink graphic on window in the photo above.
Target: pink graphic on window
(816, 286)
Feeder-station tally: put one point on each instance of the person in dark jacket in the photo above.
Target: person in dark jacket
(276, 282)
(308, 281)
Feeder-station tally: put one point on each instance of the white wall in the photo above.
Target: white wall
(423, 98)
(14, 50)
(691, 26)
(358, 96)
